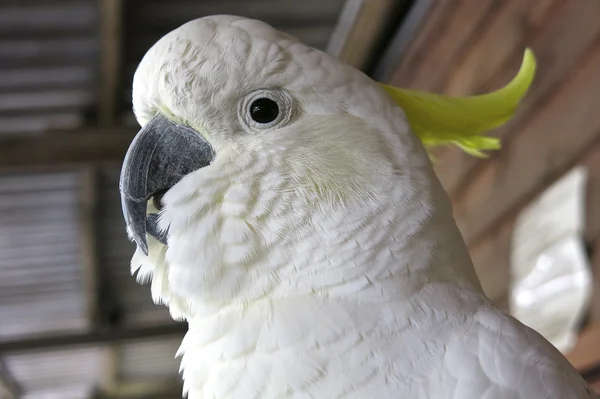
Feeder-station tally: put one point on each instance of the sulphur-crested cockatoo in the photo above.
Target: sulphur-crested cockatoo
(284, 205)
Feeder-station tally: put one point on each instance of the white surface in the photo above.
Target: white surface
(551, 278)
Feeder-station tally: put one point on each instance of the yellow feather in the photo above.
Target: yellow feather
(439, 120)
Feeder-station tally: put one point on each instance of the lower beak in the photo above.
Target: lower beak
(159, 156)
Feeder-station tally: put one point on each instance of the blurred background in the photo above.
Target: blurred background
(75, 325)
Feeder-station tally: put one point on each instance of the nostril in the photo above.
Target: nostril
(157, 199)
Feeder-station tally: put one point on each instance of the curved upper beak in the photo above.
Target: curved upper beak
(159, 156)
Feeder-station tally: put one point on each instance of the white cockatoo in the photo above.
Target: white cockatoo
(283, 203)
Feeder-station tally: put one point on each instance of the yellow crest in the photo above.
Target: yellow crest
(439, 120)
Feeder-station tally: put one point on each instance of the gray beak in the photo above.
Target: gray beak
(159, 156)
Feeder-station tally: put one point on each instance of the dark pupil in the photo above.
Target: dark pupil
(264, 110)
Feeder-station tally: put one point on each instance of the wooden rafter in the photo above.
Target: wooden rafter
(110, 59)
(68, 147)
(8, 386)
(162, 388)
(88, 210)
(111, 335)
(360, 28)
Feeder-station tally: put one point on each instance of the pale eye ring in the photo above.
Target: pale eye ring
(265, 109)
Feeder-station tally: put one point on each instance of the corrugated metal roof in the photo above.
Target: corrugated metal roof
(70, 392)
(41, 287)
(73, 372)
(27, 16)
(48, 64)
(33, 77)
(150, 360)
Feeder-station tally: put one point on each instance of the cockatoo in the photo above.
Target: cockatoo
(284, 204)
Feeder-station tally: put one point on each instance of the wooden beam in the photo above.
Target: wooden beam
(360, 29)
(102, 308)
(88, 211)
(585, 357)
(561, 133)
(109, 378)
(343, 28)
(424, 36)
(146, 389)
(68, 147)
(560, 40)
(110, 59)
(504, 33)
(91, 338)
(461, 27)
(160, 14)
(592, 231)
(592, 228)
(8, 386)
(416, 15)
(586, 354)
(594, 313)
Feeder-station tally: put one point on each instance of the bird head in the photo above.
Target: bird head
(265, 165)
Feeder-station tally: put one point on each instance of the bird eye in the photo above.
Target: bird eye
(264, 110)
